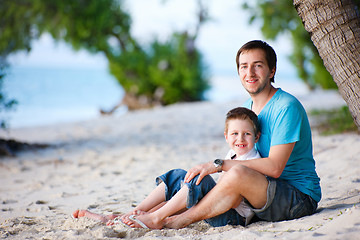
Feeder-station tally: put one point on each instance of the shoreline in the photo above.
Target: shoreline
(109, 164)
(318, 99)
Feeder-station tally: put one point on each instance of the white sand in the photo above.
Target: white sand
(109, 165)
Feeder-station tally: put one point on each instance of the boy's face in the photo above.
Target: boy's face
(241, 136)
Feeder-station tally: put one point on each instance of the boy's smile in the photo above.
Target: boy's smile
(240, 136)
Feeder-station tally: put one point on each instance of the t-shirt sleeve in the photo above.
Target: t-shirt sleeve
(287, 126)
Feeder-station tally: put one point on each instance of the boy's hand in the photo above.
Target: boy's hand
(202, 170)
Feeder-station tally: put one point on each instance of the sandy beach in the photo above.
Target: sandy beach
(109, 165)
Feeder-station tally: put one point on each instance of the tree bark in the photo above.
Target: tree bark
(334, 27)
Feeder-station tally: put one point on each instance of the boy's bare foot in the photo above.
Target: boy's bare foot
(79, 213)
(125, 218)
(95, 216)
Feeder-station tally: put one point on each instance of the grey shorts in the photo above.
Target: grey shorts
(285, 202)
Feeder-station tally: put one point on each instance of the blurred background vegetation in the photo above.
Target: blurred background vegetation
(158, 73)
(278, 17)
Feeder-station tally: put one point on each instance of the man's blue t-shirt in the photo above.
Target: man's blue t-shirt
(284, 120)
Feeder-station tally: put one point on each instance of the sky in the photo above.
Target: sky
(219, 38)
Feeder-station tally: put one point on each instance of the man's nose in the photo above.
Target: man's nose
(251, 70)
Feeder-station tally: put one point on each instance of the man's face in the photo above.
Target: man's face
(254, 71)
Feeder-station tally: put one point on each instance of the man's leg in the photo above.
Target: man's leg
(237, 183)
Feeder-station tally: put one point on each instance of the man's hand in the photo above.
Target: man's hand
(202, 170)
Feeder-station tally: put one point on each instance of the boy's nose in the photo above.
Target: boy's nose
(241, 138)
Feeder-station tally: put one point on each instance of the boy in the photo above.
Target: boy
(241, 133)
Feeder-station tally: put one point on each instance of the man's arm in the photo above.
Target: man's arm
(271, 166)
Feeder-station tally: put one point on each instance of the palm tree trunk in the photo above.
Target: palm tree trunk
(334, 27)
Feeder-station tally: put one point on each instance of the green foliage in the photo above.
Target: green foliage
(5, 103)
(83, 24)
(166, 72)
(280, 17)
(174, 67)
(334, 121)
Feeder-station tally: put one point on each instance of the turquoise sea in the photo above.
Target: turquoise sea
(52, 95)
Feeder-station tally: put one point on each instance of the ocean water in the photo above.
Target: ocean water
(51, 95)
(58, 95)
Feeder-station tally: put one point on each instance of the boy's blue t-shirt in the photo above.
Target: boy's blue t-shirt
(284, 120)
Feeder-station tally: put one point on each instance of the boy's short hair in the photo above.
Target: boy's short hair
(270, 54)
(243, 113)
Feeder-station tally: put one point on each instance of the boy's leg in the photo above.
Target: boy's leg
(177, 203)
(152, 202)
(168, 185)
(189, 195)
(156, 197)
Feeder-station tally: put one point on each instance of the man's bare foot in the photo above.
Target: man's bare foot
(174, 222)
(149, 220)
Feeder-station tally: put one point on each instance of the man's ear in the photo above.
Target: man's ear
(272, 74)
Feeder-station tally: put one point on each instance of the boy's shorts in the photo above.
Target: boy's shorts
(284, 202)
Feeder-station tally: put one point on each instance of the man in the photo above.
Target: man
(281, 185)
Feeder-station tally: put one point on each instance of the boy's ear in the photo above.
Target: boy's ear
(257, 137)
(226, 137)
